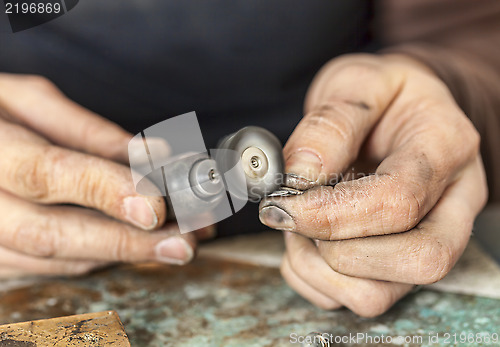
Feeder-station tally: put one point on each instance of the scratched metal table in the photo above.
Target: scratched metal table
(219, 303)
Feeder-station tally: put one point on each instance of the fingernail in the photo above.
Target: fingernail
(276, 218)
(174, 250)
(304, 164)
(139, 212)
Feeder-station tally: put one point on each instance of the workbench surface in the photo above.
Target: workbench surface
(220, 303)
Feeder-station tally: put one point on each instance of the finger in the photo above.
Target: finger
(49, 174)
(365, 297)
(80, 234)
(37, 103)
(8, 273)
(305, 290)
(206, 233)
(15, 264)
(425, 254)
(339, 116)
(405, 187)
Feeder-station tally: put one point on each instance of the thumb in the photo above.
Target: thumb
(38, 104)
(339, 117)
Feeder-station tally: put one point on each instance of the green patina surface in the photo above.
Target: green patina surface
(212, 303)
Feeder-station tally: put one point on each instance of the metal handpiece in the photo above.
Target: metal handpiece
(203, 187)
(260, 154)
(194, 184)
(198, 182)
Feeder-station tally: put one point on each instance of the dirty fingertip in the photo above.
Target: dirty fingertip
(276, 218)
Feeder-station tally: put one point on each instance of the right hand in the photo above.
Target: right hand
(54, 152)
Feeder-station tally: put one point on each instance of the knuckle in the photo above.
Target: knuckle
(483, 189)
(31, 178)
(433, 260)
(460, 131)
(91, 187)
(475, 140)
(120, 245)
(40, 83)
(406, 208)
(472, 138)
(328, 305)
(370, 301)
(94, 188)
(335, 256)
(360, 68)
(39, 238)
(333, 119)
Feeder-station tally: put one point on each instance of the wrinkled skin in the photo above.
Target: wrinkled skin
(407, 222)
(67, 201)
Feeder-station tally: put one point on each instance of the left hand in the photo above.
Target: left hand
(54, 152)
(406, 224)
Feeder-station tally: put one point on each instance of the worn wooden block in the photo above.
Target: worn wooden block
(92, 329)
